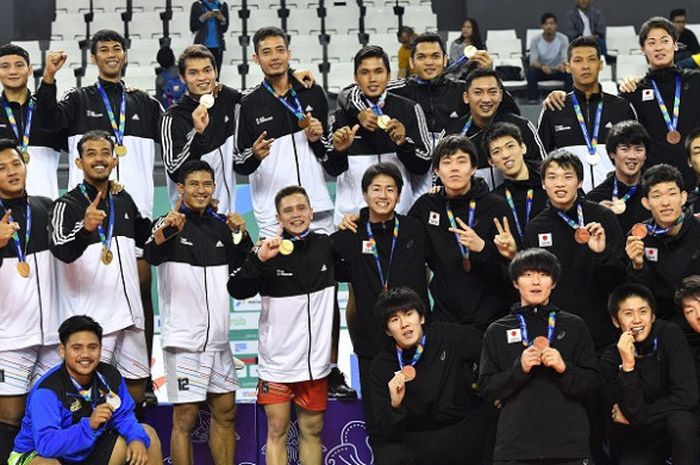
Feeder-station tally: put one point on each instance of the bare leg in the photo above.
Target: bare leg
(184, 420)
(155, 453)
(137, 389)
(222, 434)
(277, 427)
(310, 427)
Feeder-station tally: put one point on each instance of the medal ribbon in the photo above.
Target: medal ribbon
(209, 211)
(86, 394)
(375, 251)
(21, 254)
(106, 240)
(416, 356)
(551, 324)
(671, 124)
(376, 107)
(569, 221)
(453, 224)
(528, 208)
(654, 230)
(467, 126)
(456, 64)
(27, 123)
(616, 191)
(591, 143)
(296, 109)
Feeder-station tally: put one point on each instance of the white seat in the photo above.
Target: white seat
(229, 75)
(90, 75)
(505, 48)
(64, 83)
(512, 85)
(71, 6)
(33, 47)
(694, 27)
(141, 5)
(107, 21)
(420, 18)
(630, 66)
(529, 35)
(179, 24)
(145, 25)
(68, 26)
(262, 18)
(178, 5)
(617, 31)
(343, 47)
(306, 48)
(379, 21)
(73, 51)
(622, 45)
(451, 37)
(179, 44)
(339, 76)
(340, 19)
(143, 52)
(498, 34)
(302, 22)
(254, 76)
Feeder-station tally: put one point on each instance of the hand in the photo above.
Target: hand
(606, 203)
(136, 453)
(304, 76)
(261, 146)
(219, 15)
(552, 358)
(504, 240)
(562, 68)
(235, 222)
(597, 240)
(555, 100)
(482, 59)
(175, 217)
(468, 237)
(200, 118)
(629, 84)
(635, 251)
(396, 131)
(529, 358)
(435, 190)
(7, 229)
(625, 346)
(546, 69)
(269, 248)
(368, 119)
(206, 15)
(397, 389)
(54, 62)
(617, 416)
(349, 221)
(314, 130)
(94, 216)
(344, 137)
(100, 415)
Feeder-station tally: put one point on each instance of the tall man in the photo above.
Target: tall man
(692, 148)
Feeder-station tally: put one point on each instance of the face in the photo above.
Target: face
(273, 56)
(665, 201)
(694, 155)
(634, 314)
(404, 38)
(295, 214)
(14, 72)
(483, 97)
(97, 160)
(456, 171)
(506, 155)
(679, 23)
(372, 76)
(691, 311)
(561, 185)
(534, 287)
(583, 4)
(549, 26)
(629, 158)
(382, 195)
(200, 76)
(81, 354)
(584, 66)
(428, 60)
(110, 58)
(197, 190)
(13, 174)
(659, 48)
(406, 328)
(467, 29)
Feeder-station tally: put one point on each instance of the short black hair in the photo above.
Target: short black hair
(534, 259)
(6, 144)
(546, 16)
(580, 42)
(661, 173)
(629, 132)
(106, 35)
(194, 51)
(676, 12)
(371, 51)
(265, 32)
(165, 57)
(95, 134)
(394, 300)
(76, 324)
(692, 135)
(383, 168)
(286, 192)
(427, 37)
(657, 22)
(405, 29)
(624, 292)
(563, 158)
(193, 166)
(12, 49)
(482, 73)
(688, 288)
(450, 145)
(498, 130)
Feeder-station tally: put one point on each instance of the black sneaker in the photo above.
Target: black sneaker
(338, 388)
(150, 399)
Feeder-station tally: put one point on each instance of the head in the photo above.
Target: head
(503, 142)
(381, 189)
(428, 56)
(108, 51)
(455, 160)
(583, 4)
(371, 70)
(165, 57)
(293, 209)
(584, 61)
(548, 22)
(15, 68)
(562, 175)
(534, 273)
(197, 185)
(678, 18)
(631, 307)
(627, 146)
(401, 312)
(96, 156)
(271, 51)
(658, 39)
(687, 300)
(483, 93)
(663, 194)
(80, 346)
(197, 69)
(471, 32)
(692, 148)
(13, 171)
(405, 35)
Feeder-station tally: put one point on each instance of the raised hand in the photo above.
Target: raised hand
(7, 229)
(200, 118)
(368, 119)
(397, 389)
(100, 415)
(349, 221)
(597, 240)
(396, 131)
(625, 346)
(504, 240)
(551, 358)
(468, 237)
(261, 146)
(555, 100)
(314, 130)
(635, 251)
(54, 62)
(93, 215)
(344, 137)
(530, 357)
(235, 222)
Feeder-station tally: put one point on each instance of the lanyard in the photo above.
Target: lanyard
(467, 126)
(528, 208)
(27, 123)
(616, 191)
(551, 323)
(376, 107)
(296, 109)
(592, 143)
(21, 254)
(569, 221)
(671, 124)
(118, 130)
(106, 240)
(86, 394)
(416, 356)
(209, 212)
(654, 230)
(375, 251)
(453, 223)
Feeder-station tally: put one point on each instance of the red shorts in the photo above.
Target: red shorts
(309, 395)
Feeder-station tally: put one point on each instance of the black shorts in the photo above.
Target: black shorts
(100, 455)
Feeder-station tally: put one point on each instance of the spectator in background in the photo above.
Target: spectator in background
(687, 42)
(169, 86)
(547, 57)
(470, 36)
(209, 23)
(406, 34)
(585, 20)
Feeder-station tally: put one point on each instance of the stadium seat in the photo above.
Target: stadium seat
(420, 18)
(33, 47)
(72, 49)
(340, 20)
(694, 27)
(617, 31)
(107, 21)
(378, 21)
(71, 6)
(517, 62)
(498, 34)
(505, 48)
(306, 48)
(343, 47)
(261, 18)
(340, 75)
(302, 22)
(145, 25)
(68, 27)
(229, 76)
(143, 52)
(622, 45)
(529, 35)
(631, 65)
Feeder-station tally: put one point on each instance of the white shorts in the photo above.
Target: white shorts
(191, 375)
(321, 223)
(126, 349)
(20, 369)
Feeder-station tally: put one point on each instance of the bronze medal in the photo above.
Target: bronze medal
(25, 157)
(541, 343)
(618, 206)
(673, 137)
(409, 372)
(107, 256)
(582, 235)
(639, 230)
(383, 121)
(286, 247)
(120, 150)
(23, 269)
(304, 122)
(466, 264)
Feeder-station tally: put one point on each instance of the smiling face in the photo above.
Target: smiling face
(96, 160)
(382, 196)
(659, 48)
(634, 314)
(428, 61)
(81, 353)
(110, 58)
(691, 312)
(665, 200)
(14, 72)
(561, 185)
(507, 156)
(273, 56)
(372, 76)
(629, 159)
(200, 76)
(294, 213)
(13, 174)
(197, 190)
(534, 287)
(405, 327)
(483, 97)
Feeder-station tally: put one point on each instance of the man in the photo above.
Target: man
(294, 274)
(587, 240)
(687, 301)
(28, 346)
(483, 93)
(95, 229)
(687, 42)
(588, 113)
(81, 411)
(405, 35)
(402, 140)
(40, 149)
(191, 271)
(539, 366)
(626, 145)
(692, 148)
(652, 383)
(585, 21)
(547, 57)
(664, 250)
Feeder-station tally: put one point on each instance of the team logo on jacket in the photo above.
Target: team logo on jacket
(75, 406)
(263, 119)
(219, 244)
(545, 239)
(561, 127)
(185, 241)
(92, 114)
(135, 117)
(514, 335)
(651, 254)
(308, 109)
(454, 115)
(434, 218)
(647, 94)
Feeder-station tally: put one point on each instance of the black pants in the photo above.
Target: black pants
(218, 57)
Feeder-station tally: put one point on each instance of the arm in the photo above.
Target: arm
(623, 387)
(390, 421)
(244, 156)
(52, 116)
(545, 131)
(414, 153)
(153, 253)
(124, 420)
(508, 104)
(322, 145)
(497, 382)
(535, 148)
(534, 53)
(342, 138)
(581, 377)
(197, 19)
(180, 143)
(68, 237)
(244, 282)
(610, 264)
(223, 24)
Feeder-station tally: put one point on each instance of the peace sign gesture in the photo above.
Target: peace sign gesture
(468, 237)
(504, 240)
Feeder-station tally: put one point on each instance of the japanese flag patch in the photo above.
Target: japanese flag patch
(647, 94)
(544, 239)
(514, 335)
(651, 254)
(434, 218)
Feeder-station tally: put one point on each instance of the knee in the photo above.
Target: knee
(224, 416)
(152, 436)
(311, 427)
(277, 429)
(185, 418)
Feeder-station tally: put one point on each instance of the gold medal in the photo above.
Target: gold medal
(107, 256)
(116, 187)
(383, 121)
(120, 150)
(25, 156)
(673, 137)
(23, 269)
(286, 247)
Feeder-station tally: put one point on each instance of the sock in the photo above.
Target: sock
(7, 440)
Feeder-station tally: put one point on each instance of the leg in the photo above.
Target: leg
(119, 452)
(277, 427)
(337, 386)
(144, 270)
(685, 438)
(42, 461)
(137, 389)
(393, 454)
(155, 453)
(184, 421)
(13, 389)
(222, 433)
(310, 427)
(533, 77)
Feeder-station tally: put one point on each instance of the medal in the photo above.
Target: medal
(120, 150)
(22, 265)
(286, 247)
(639, 230)
(113, 400)
(469, 51)
(23, 269)
(25, 157)
(304, 122)
(118, 129)
(593, 159)
(409, 372)
(207, 101)
(116, 187)
(581, 235)
(24, 140)
(673, 137)
(106, 239)
(466, 264)
(618, 206)
(296, 109)
(106, 256)
(541, 343)
(383, 121)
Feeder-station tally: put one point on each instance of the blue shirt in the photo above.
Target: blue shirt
(212, 38)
